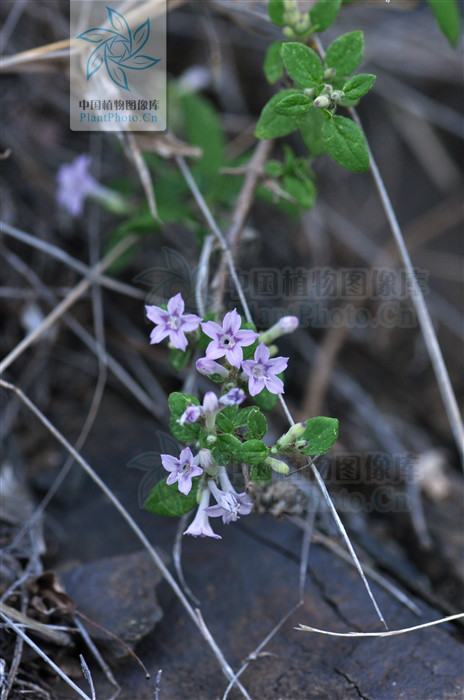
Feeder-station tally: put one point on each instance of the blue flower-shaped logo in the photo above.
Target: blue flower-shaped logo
(118, 48)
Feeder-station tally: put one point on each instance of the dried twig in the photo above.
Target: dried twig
(390, 633)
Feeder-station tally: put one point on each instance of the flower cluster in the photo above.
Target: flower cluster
(238, 358)
(227, 341)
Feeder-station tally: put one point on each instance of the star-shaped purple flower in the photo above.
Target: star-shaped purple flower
(172, 322)
(262, 371)
(75, 183)
(181, 469)
(228, 339)
(230, 504)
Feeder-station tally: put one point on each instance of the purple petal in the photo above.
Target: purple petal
(262, 353)
(172, 478)
(248, 365)
(277, 364)
(234, 356)
(178, 339)
(214, 350)
(255, 385)
(211, 329)
(158, 334)
(196, 470)
(186, 456)
(232, 322)
(190, 322)
(184, 482)
(176, 305)
(275, 385)
(245, 337)
(169, 462)
(156, 314)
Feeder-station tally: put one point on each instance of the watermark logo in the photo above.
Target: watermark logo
(117, 66)
(118, 49)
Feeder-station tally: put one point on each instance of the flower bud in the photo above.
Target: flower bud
(330, 73)
(327, 89)
(322, 102)
(287, 324)
(295, 432)
(310, 92)
(207, 367)
(211, 439)
(277, 465)
(337, 95)
(288, 32)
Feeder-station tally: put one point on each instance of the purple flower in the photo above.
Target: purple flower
(233, 397)
(230, 504)
(172, 322)
(228, 339)
(200, 526)
(75, 183)
(190, 415)
(262, 370)
(182, 470)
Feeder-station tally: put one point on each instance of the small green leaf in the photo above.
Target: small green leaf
(323, 14)
(303, 64)
(271, 124)
(220, 457)
(276, 11)
(273, 63)
(241, 418)
(448, 17)
(321, 434)
(179, 358)
(261, 474)
(224, 423)
(265, 400)
(311, 132)
(358, 85)
(252, 452)
(345, 144)
(345, 53)
(168, 500)
(228, 444)
(293, 105)
(257, 424)
(303, 191)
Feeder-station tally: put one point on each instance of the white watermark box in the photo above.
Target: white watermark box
(118, 65)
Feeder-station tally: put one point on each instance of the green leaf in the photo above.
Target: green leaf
(257, 424)
(252, 452)
(179, 358)
(303, 64)
(168, 500)
(276, 11)
(448, 17)
(265, 400)
(311, 132)
(271, 124)
(203, 129)
(321, 434)
(261, 474)
(323, 14)
(224, 423)
(228, 444)
(241, 418)
(273, 63)
(358, 85)
(293, 105)
(345, 144)
(303, 191)
(345, 53)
